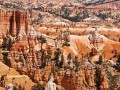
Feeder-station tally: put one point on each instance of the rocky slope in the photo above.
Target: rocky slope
(48, 18)
(15, 77)
(81, 44)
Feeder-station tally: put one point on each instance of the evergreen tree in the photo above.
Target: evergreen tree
(14, 88)
(5, 57)
(62, 60)
(42, 40)
(76, 63)
(57, 55)
(38, 87)
(7, 42)
(69, 57)
(117, 66)
(21, 58)
(100, 60)
(43, 58)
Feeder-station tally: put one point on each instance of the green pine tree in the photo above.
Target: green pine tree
(38, 87)
(42, 40)
(100, 60)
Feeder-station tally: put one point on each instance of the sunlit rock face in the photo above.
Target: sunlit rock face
(13, 21)
(9, 86)
(96, 40)
(51, 85)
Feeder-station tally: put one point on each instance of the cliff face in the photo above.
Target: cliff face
(13, 21)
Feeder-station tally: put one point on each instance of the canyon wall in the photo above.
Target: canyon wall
(13, 21)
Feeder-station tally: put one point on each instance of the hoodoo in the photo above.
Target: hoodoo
(59, 45)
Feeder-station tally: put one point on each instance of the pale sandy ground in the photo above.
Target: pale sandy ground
(21, 79)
